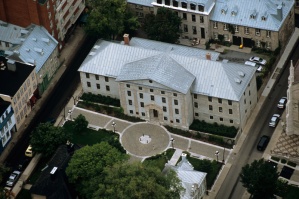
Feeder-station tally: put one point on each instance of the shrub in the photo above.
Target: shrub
(275, 158)
(283, 161)
(259, 82)
(100, 99)
(292, 164)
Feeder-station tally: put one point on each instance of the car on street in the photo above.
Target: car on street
(29, 152)
(13, 178)
(263, 142)
(258, 60)
(274, 120)
(282, 102)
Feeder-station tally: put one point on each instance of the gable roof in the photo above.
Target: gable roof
(169, 68)
(141, 2)
(267, 9)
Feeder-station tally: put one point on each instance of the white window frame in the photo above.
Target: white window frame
(215, 24)
(246, 30)
(258, 32)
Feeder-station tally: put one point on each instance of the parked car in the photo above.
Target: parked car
(282, 102)
(29, 152)
(13, 178)
(274, 120)
(258, 60)
(263, 142)
(23, 164)
(259, 68)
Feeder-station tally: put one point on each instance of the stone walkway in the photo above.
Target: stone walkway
(175, 157)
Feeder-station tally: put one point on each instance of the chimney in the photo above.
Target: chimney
(11, 65)
(279, 12)
(208, 56)
(184, 156)
(126, 39)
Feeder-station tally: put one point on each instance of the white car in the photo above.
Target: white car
(259, 68)
(282, 102)
(258, 60)
(274, 120)
(13, 178)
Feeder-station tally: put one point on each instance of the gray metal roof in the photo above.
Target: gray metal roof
(175, 49)
(167, 67)
(36, 47)
(258, 8)
(10, 33)
(141, 2)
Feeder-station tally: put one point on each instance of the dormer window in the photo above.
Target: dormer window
(192, 6)
(264, 18)
(201, 8)
(234, 13)
(252, 17)
(175, 3)
(167, 2)
(184, 5)
(223, 12)
(159, 1)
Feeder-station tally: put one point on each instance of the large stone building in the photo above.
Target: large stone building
(57, 17)
(170, 84)
(265, 24)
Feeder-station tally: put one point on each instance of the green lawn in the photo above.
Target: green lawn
(160, 159)
(293, 192)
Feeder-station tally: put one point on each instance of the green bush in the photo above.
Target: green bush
(216, 129)
(283, 161)
(100, 99)
(275, 158)
(259, 82)
(292, 164)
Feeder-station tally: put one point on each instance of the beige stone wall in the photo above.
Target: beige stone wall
(287, 29)
(140, 10)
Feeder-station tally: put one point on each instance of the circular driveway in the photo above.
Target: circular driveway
(132, 139)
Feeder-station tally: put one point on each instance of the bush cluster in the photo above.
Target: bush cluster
(100, 99)
(292, 164)
(215, 129)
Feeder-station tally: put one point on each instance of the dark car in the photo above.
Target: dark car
(263, 142)
(23, 164)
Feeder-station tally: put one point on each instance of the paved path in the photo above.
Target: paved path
(175, 157)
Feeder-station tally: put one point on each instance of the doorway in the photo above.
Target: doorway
(202, 33)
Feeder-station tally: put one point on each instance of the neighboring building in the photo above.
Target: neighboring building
(32, 45)
(297, 7)
(170, 84)
(57, 17)
(7, 123)
(18, 87)
(194, 182)
(292, 116)
(52, 182)
(141, 7)
(264, 24)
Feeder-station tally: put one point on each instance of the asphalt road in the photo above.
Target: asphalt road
(232, 187)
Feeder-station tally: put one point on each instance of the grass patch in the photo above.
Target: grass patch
(159, 160)
(24, 194)
(283, 161)
(100, 99)
(275, 158)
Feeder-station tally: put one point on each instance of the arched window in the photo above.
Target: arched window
(201, 8)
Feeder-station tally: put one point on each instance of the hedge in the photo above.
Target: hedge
(100, 99)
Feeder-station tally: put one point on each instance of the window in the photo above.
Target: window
(98, 86)
(176, 111)
(142, 104)
(268, 44)
(175, 3)
(185, 28)
(210, 107)
(150, 81)
(249, 93)
(106, 79)
(210, 99)
(162, 92)
(151, 90)
(184, 5)
(215, 35)
(152, 98)
(211, 117)
(230, 111)
(143, 113)
(174, 94)
(220, 109)
(221, 119)
(128, 85)
(195, 96)
(236, 28)
(141, 95)
(225, 26)
(129, 93)
(159, 1)
(215, 24)
(246, 30)
(244, 101)
(175, 102)
(177, 121)
(193, 18)
(195, 104)
(88, 84)
(196, 114)
(219, 100)
(131, 111)
(192, 6)
(258, 43)
(230, 102)
(167, 2)
(107, 88)
(165, 118)
(194, 30)
(163, 99)
(257, 32)
(164, 109)
(268, 33)
(140, 88)
(201, 8)
(130, 102)
(87, 75)
(97, 77)
(201, 20)
(231, 121)
(185, 16)
(226, 37)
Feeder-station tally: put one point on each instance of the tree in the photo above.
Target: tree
(131, 23)
(80, 124)
(45, 138)
(3, 171)
(136, 181)
(260, 178)
(165, 26)
(87, 164)
(106, 18)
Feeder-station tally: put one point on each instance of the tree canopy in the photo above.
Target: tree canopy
(87, 164)
(136, 181)
(80, 124)
(45, 138)
(260, 178)
(164, 26)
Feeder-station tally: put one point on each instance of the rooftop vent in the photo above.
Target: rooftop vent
(27, 49)
(241, 74)
(39, 50)
(31, 61)
(92, 53)
(46, 40)
(237, 80)
(96, 47)
(23, 31)
(16, 51)
(34, 39)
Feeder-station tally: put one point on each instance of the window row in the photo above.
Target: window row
(97, 77)
(212, 117)
(98, 86)
(183, 4)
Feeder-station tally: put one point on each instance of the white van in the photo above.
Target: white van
(259, 67)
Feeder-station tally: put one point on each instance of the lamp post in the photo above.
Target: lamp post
(171, 140)
(70, 112)
(223, 155)
(113, 124)
(217, 154)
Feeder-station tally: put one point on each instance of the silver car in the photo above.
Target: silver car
(258, 60)
(13, 178)
(274, 120)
